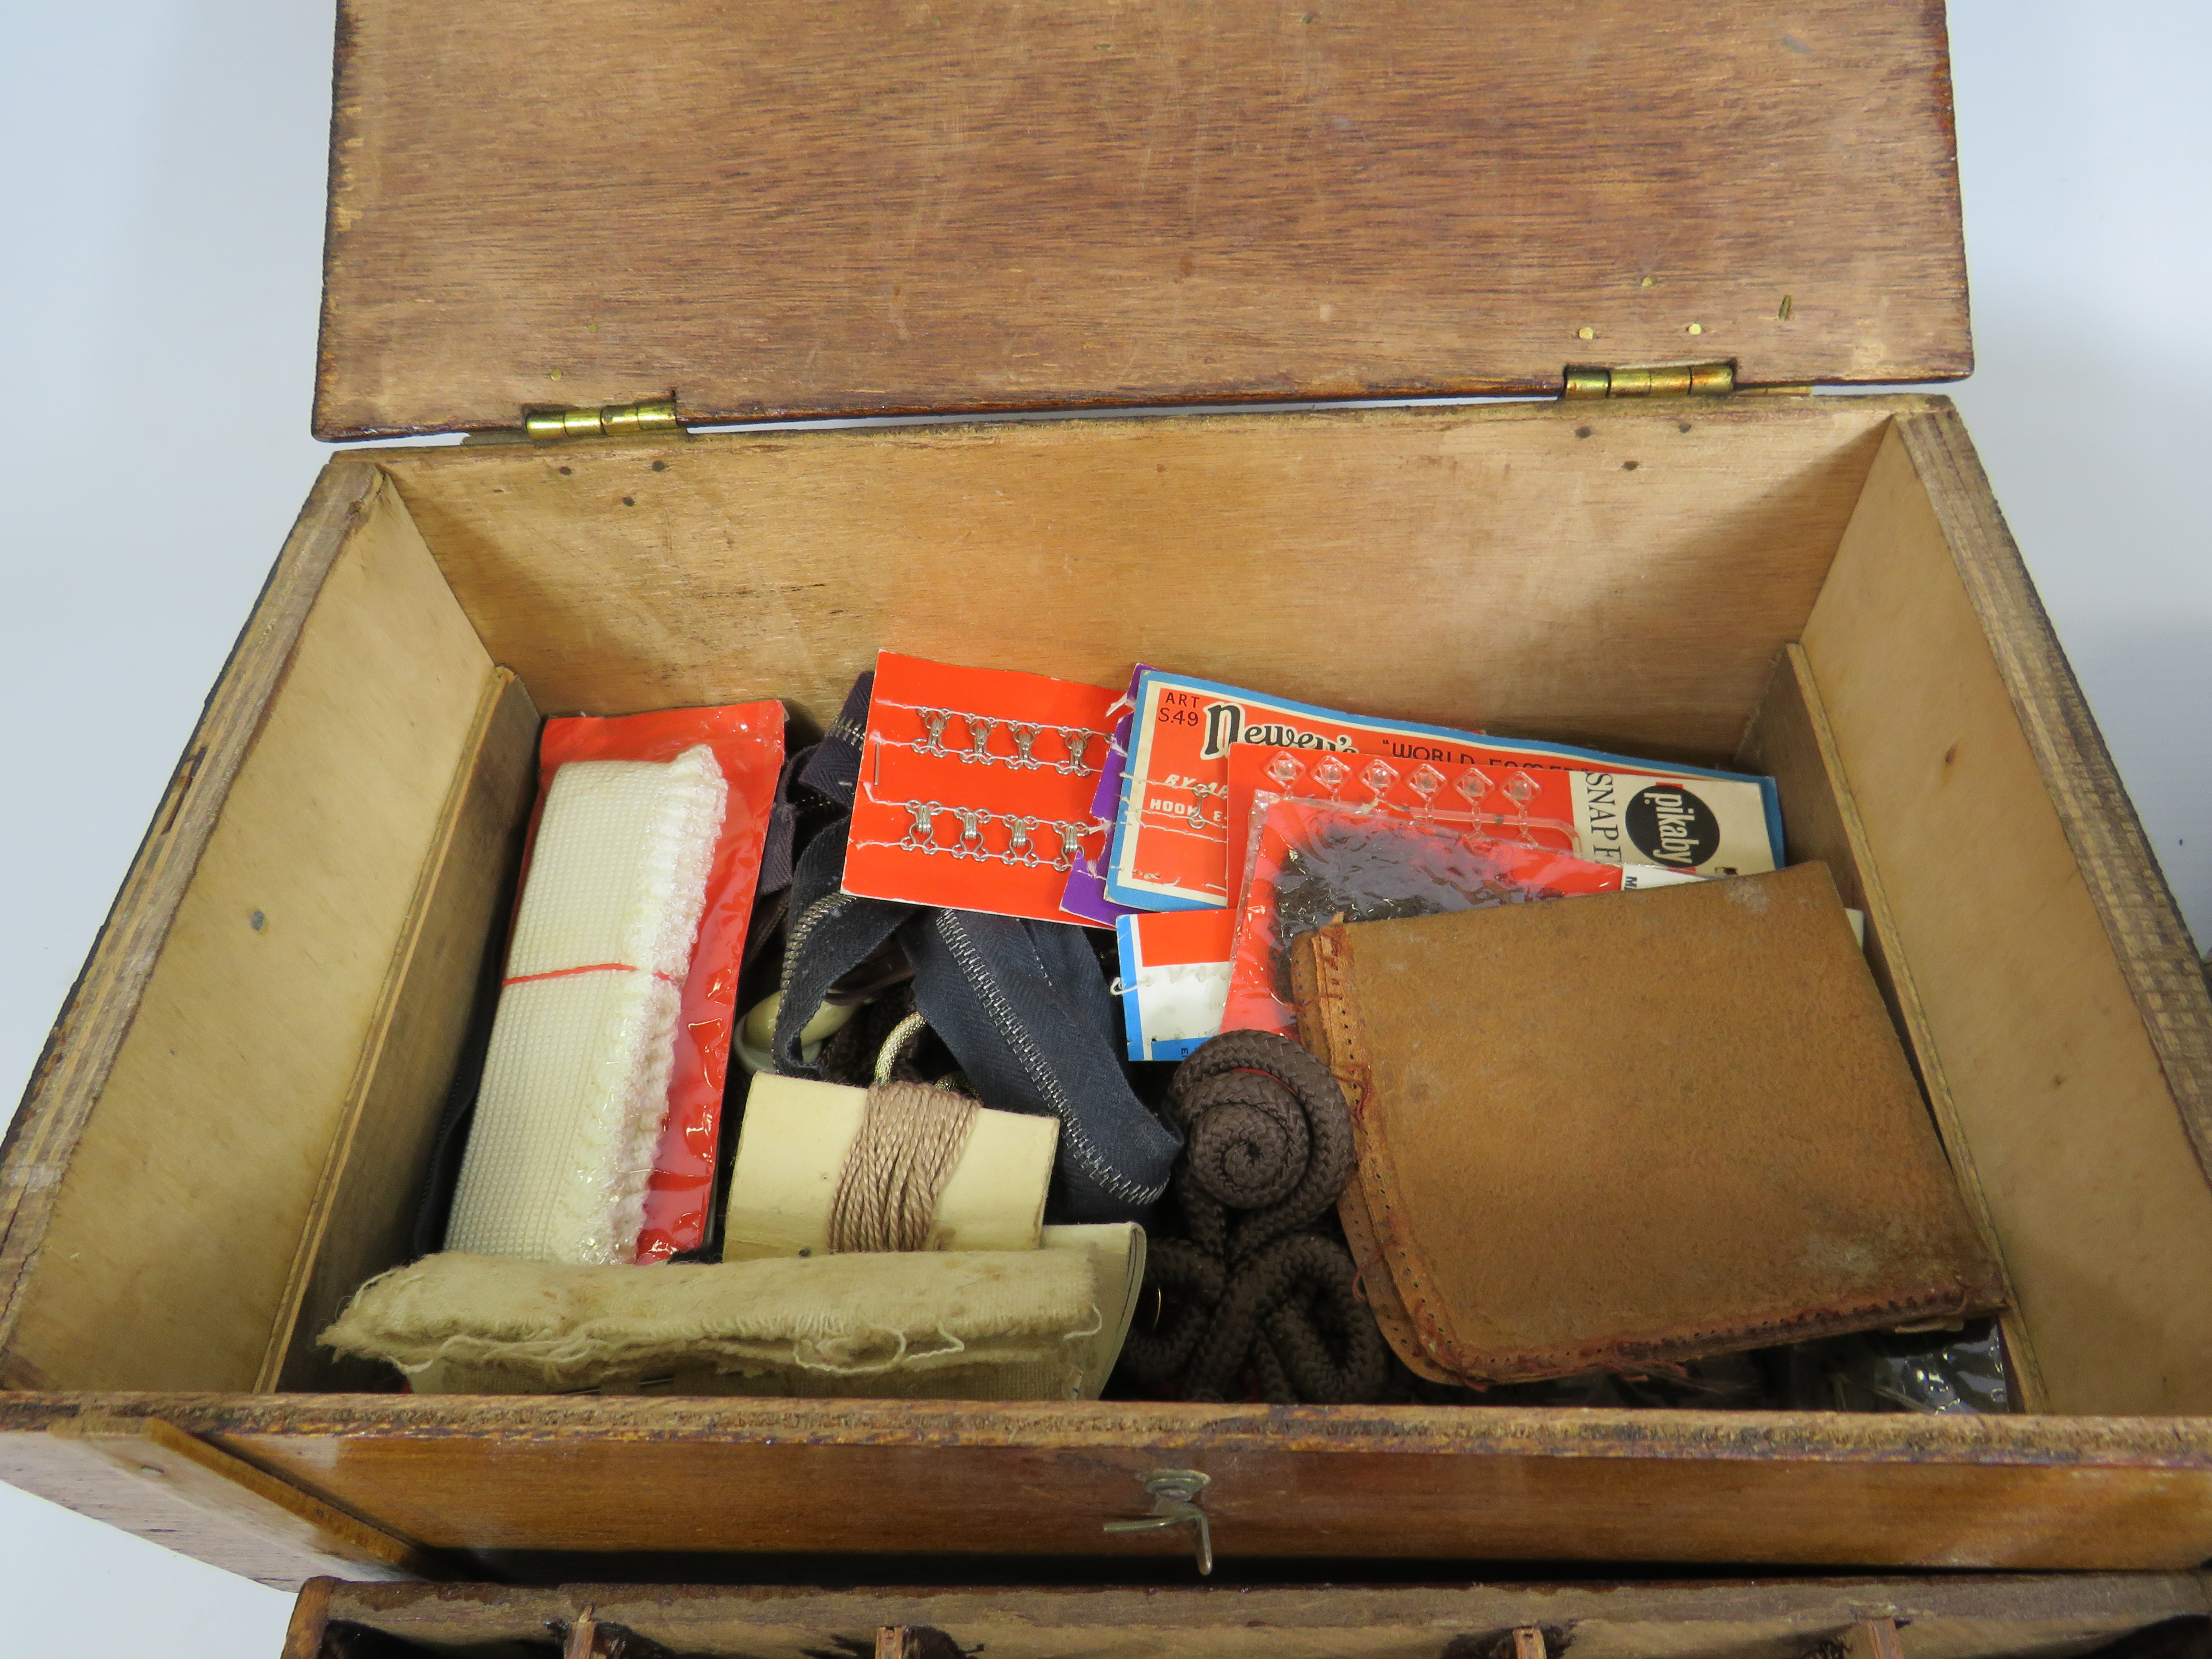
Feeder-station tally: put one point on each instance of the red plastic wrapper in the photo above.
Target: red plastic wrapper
(747, 740)
(1316, 862)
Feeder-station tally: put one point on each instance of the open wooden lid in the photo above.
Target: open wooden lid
(870, 207)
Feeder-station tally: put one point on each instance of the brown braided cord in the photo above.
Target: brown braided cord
(1292, 1313)
(911, 1135)
(1268, 1133)
(1187, 1282)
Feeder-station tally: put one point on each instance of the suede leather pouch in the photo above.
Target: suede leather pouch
(1616, 1131)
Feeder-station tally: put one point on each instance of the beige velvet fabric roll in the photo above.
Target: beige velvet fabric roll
(1001, 1324)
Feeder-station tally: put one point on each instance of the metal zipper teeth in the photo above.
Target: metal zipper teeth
(802, 926)
(994, 1004)
(806, 921)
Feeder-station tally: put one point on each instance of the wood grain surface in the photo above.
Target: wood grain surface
(1930, 657)
(1606, 573)
(303, 1632)
(1872, 1638)
(311, 1618)
(149, 1478)
(166, 1252)
(1791, 741)
(361, 1220)
(1619, 574)
(91, 1025)
(734, 1478)
(786, 209)
(1961, 1617)
(2150, 941)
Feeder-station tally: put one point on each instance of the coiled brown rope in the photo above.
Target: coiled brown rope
(911, 1135)
(1267, 1135)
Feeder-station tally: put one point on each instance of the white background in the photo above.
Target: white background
(160, 235)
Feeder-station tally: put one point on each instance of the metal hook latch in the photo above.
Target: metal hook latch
(1174, 1494)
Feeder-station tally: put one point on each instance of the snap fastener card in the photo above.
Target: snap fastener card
(1699, 823)
(1171, 835)
(1175, 978)
(976, 788)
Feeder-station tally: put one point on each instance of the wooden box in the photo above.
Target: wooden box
(975, 207)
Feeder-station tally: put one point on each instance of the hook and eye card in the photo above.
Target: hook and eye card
(976, 788)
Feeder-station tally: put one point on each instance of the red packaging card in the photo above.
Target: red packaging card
(1497, 793)
(976, 788)
(1173, 835)
(747, 739)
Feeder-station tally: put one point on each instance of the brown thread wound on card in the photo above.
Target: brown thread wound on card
(911, 1136)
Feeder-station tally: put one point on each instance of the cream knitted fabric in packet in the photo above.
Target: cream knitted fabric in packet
(575, 1086)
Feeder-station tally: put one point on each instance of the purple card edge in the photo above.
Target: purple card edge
(1085, 894)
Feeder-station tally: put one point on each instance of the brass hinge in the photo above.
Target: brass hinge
(1649, 380)
(611, 421)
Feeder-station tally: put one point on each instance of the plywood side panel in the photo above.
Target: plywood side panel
(1967, 1617)
(362, 1218)
(784, 208)
(1599, 571)
(2092, 1186)
(1791, 740)
(102, 1004)
(181, 1204)
(2149, 940)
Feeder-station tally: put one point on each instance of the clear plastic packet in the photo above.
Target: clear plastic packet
(747, 742)
(1315, 862)
(1960, 1372)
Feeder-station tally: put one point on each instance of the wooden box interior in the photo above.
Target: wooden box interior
(1818, 587)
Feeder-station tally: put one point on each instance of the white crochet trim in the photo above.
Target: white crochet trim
(575, 1087)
